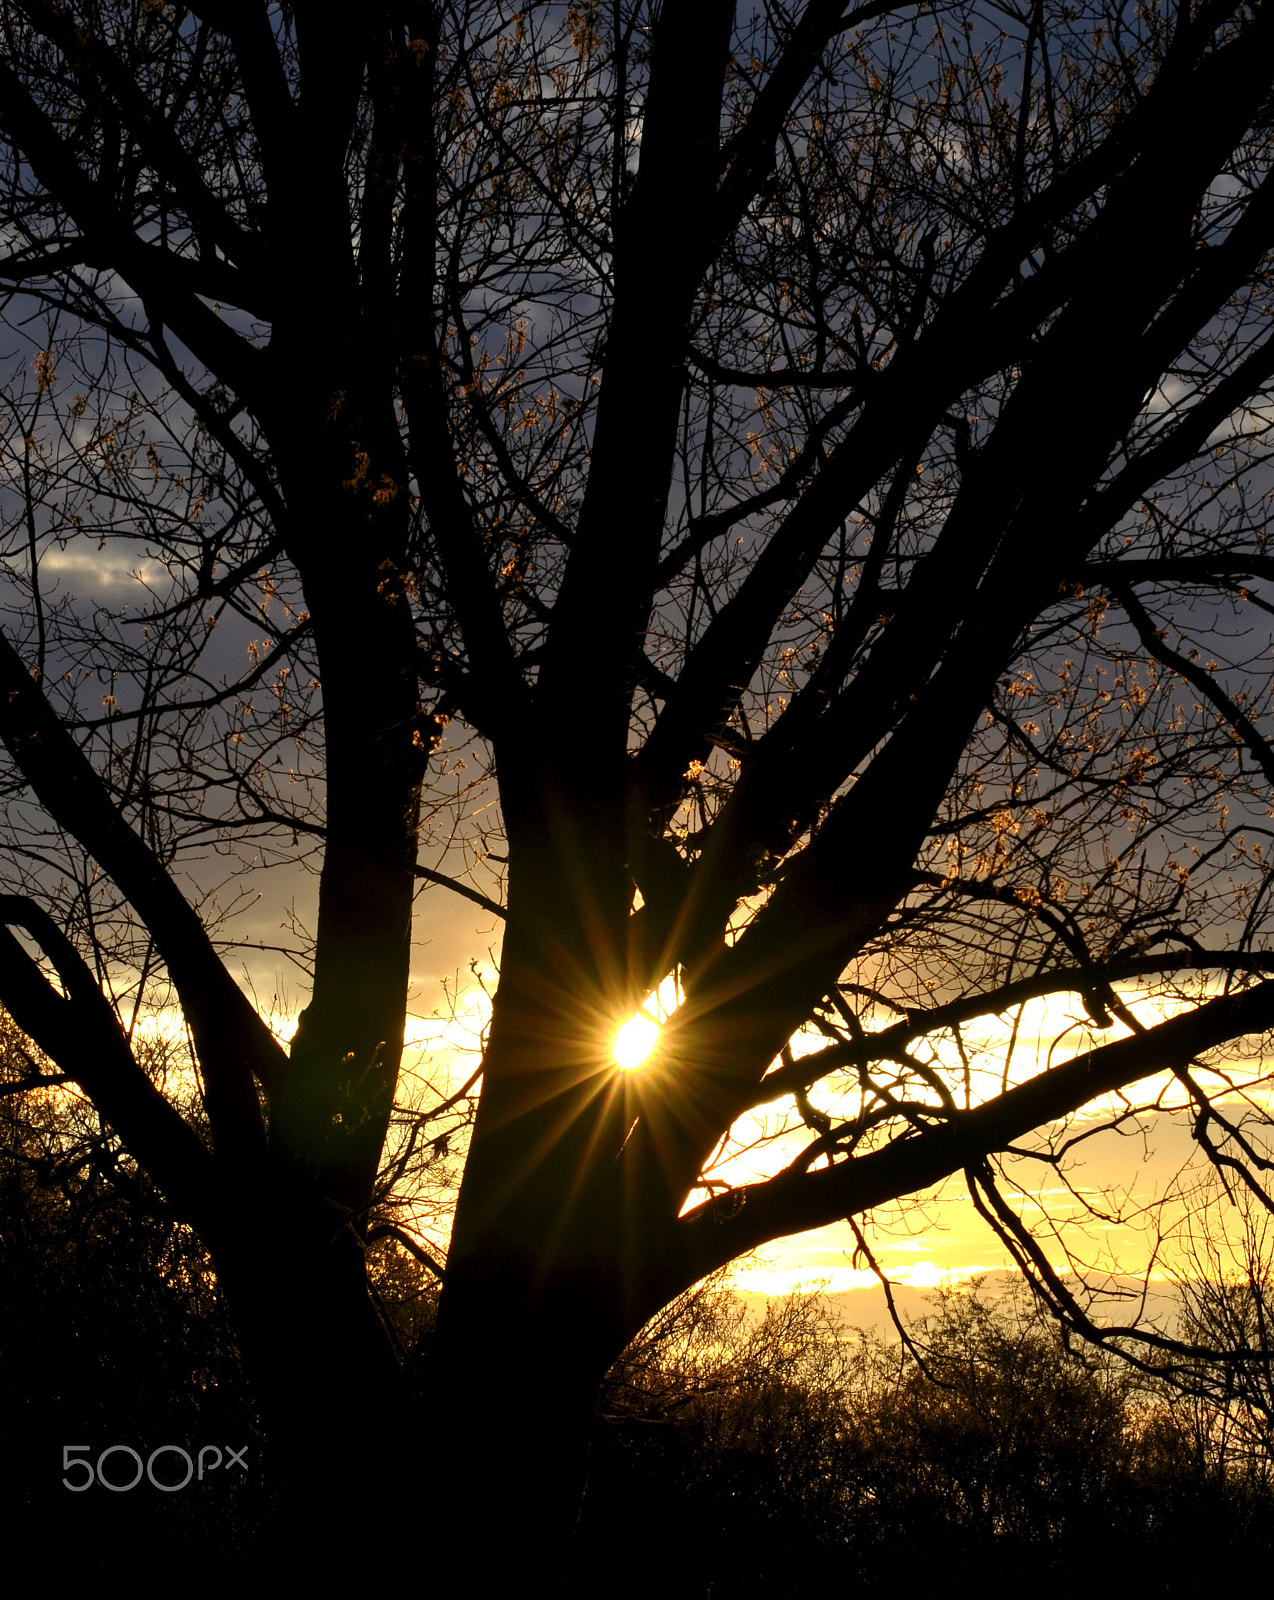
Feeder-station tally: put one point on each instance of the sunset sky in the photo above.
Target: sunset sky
(936, 1237)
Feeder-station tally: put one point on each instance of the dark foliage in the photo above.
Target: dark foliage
(777, 1457)
(733, 1455)
(114, 1333)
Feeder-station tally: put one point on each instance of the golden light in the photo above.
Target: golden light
(635, 1041)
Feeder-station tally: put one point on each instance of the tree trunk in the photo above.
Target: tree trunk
(549, 1273)
(516, 1368)
(338, 1410)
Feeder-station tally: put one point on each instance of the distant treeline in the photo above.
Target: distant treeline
(786, 1455)
(734, 1455)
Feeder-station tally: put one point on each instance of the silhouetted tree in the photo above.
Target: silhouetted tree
(815, 453)
(1228, 1377)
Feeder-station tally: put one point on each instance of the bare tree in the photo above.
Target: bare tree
(1227, 1375)
(816, 453)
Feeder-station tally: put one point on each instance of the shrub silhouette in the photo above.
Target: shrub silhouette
(775, 1454)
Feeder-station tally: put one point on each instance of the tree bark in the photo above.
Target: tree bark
(337, 1407)
(515, 1374)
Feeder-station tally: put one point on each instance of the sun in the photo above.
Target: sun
(635, 1041)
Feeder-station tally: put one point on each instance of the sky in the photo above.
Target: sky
(1130, 1205)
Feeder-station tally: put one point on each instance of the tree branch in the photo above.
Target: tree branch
(232, 1040)
(753, 1214)
(81, 1033)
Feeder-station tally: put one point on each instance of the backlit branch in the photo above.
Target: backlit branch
(789, 1204)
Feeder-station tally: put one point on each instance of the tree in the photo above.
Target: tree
(816, 453)
(1225, 1294)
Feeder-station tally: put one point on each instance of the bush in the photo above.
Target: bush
(749, 1457)
(114, 1332)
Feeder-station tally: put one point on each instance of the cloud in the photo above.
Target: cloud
(90, 572)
